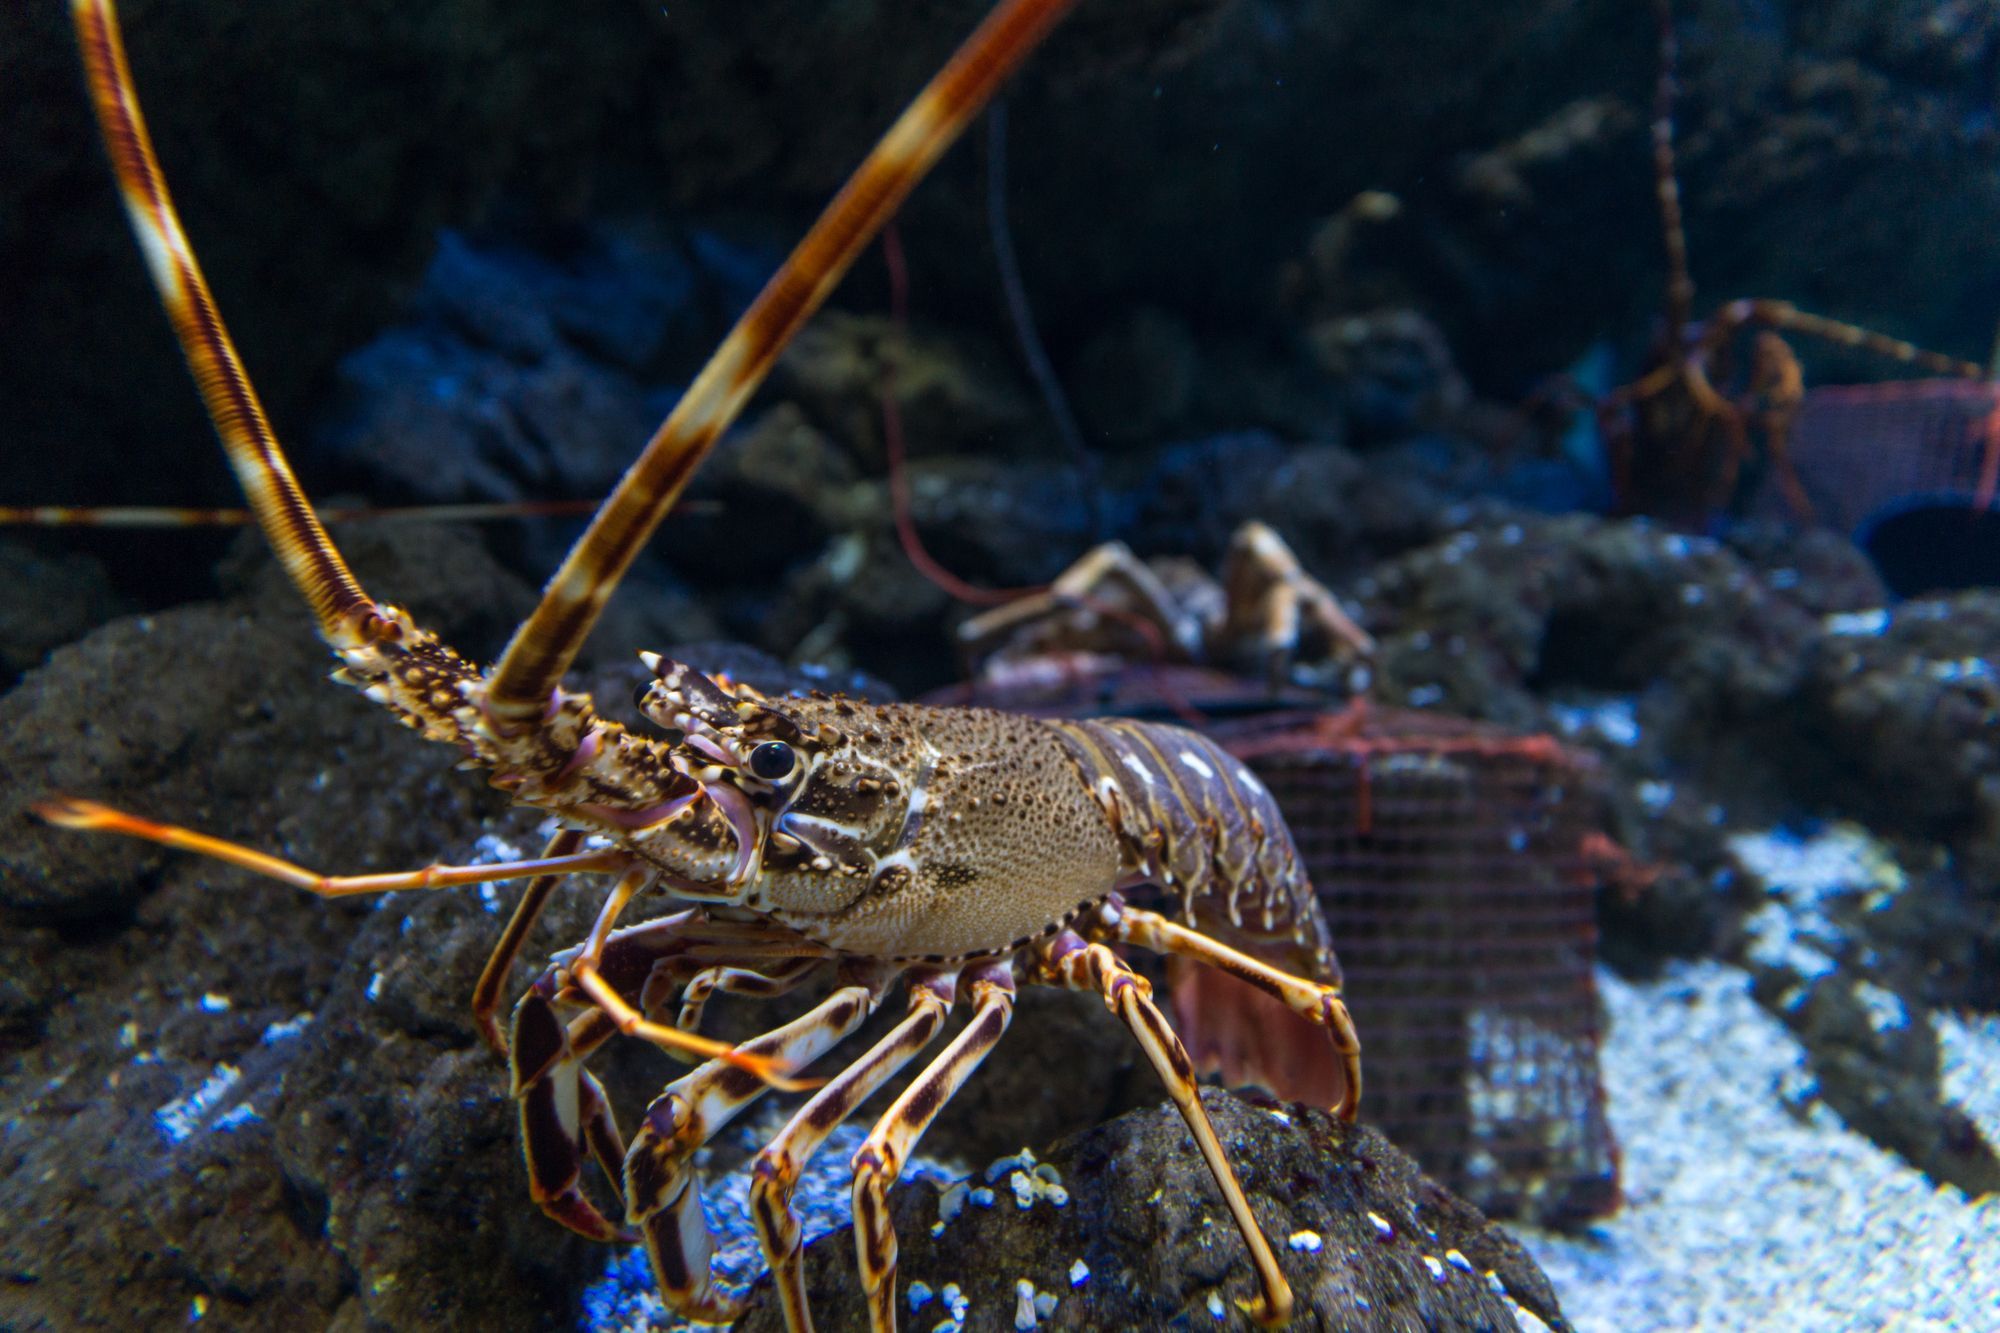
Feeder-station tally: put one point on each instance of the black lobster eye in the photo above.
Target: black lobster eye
(772, 760)
(639, 696)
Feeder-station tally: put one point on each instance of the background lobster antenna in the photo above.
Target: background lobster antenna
(344, 611)
(542, 649)
(1680, 284)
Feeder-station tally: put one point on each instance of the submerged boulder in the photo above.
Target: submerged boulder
(1141, 1238)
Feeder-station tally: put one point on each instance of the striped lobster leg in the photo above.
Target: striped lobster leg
(879, 1160)
(1069, 961)
(775, 1174)
(1317, 1003)
(662, 1189)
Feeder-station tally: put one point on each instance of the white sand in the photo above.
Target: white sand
(1739, 1215)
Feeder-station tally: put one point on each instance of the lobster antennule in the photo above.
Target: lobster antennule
(347, 618)
(544, 646)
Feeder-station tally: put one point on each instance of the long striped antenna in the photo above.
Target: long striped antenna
(541, 650)
(346, 615)
(1680, 284)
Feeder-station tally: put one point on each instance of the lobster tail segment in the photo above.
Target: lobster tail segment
(346, 616)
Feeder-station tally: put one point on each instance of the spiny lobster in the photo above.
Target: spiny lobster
(948, 849)
(1678, 437)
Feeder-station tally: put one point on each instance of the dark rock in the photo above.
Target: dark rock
(1000, 523)
(761, 671)
(862, 605)
(1907, 707)
(1148, 1223)
(1526, 225)
(1499, 613)
(1136, 377)
(954, 395)
(770, 497)
(225, 1095)
(1337, 513)
(516, 377)
(1393, 369)
(51, 600)
(1874, 1059)
(1821, 571)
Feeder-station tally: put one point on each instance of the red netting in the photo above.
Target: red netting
(1862, 449)
(1457, 864)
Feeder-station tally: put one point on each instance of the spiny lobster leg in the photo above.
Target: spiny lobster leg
(543, 647)
(493, 977)
(662, 1189)
(347, 618)
(1274, 607)
(585, 971)
(879, 1160)
(69, 812)
(562, 1110)
(1316, 1003)
(764, 985)
(1070, 962)
(774, 1177)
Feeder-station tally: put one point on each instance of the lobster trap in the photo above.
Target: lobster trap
(1457, 864)
(1864, 452)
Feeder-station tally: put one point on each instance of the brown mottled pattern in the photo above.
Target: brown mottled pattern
(308, 556)
(544, 646)
(1010, 841)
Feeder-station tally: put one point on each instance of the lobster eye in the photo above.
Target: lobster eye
(639, 696)
(772, 760)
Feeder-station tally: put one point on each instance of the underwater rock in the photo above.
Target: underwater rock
(1135, 378)
(214, 708)
(1199, 128)
(1875, 1061)
(515, 377)
(1143, 1239)
(228, 1097)
(860, 604)
(1906, 702)
(51, 600)
(773, 492)
(955, 395)
(1000, 523)
(1852, 953)
(1337, 513)
(1667, 654)
(1501, 612)
(1393, 369)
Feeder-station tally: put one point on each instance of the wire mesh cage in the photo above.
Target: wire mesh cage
(1863, 450)
(1457, 864)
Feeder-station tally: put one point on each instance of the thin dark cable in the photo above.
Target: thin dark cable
(892, 442)
(1081, 459)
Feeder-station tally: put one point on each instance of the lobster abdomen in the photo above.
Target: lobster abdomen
(1193, 819)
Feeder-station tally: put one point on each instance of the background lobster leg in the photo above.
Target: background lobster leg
(879, 1160)
(775, 1174)
(1317, 1003)
(662, 1189)
(1070, 962)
